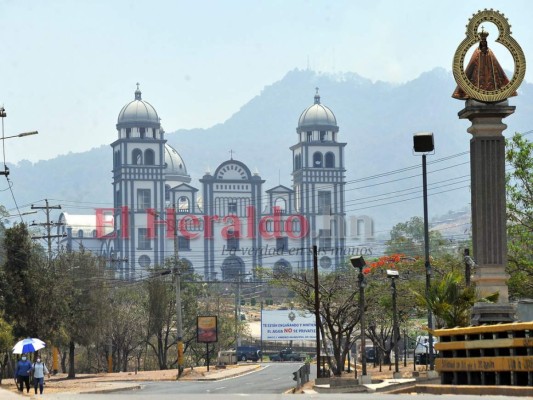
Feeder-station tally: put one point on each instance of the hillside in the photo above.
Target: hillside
(376, 119)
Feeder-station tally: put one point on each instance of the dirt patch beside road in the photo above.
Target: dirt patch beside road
(95, 382)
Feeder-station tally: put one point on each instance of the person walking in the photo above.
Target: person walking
(22, 374)
(39, 371)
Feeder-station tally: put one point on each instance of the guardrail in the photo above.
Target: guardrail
(499, 354)
(302, 375)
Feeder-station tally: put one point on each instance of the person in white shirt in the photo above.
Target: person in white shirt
(39, 371)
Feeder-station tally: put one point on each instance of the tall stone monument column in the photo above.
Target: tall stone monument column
(487, 170)
(485, 87)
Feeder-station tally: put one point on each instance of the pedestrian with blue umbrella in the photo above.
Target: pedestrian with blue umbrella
(24, 367)
(22, 374)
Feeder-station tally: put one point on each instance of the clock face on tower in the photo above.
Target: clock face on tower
(232, 172)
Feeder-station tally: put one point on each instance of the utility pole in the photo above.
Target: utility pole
(48, 226)
(49, 237)
(238, 311)
(317, 311)
(238, 277)
(177, 273)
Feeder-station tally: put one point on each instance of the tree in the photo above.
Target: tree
(451, 301)
(128, 324)
(6, 342)
(3, 214)
(161, 310)
(520, 216)
(339, 307)
(84, 299)
(408, 238)
(21, 283)
(379, 310)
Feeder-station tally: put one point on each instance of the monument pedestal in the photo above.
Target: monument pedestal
(492, 313)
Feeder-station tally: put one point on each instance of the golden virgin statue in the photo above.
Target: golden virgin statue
(483, 70)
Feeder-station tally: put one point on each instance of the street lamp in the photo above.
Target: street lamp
(393, 275)
(3, 114)
(423, 143)
(20, 135)
(358, 262)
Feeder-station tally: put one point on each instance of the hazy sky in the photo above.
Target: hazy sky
(68, 67)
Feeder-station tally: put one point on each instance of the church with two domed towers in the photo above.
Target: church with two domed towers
(227, 223)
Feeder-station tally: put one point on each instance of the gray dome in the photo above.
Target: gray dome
(138, 113)
(317, 116)
(173, 161)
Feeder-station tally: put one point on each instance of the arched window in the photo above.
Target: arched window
(167, 192)
(137, 157)
(281, 204)
(149, 157)
(330, 160)
(317, 160)
(183, 205)
(232, 268)
(297, 161)
(325, 262)
(116, 159)
(282, 267)
(144, 261)
(80, 233)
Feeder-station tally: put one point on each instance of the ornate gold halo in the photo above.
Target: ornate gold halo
(503, 38)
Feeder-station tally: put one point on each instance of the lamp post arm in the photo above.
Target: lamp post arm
(20, 135)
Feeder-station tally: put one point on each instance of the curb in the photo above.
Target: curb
(233, 375)
(475, 390)
(110, 390)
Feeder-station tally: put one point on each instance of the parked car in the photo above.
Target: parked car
(370, 355)
(287, 355)
(248, 353)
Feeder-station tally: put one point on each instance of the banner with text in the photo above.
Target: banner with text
(287, 325)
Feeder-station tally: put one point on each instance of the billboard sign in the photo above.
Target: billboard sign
(287, 325)
(206, 328)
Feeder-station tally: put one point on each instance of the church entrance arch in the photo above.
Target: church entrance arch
(232, 268)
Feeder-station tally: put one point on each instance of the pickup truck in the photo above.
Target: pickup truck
(287, 355)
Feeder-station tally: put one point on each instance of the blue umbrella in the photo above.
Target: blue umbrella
(28, 345)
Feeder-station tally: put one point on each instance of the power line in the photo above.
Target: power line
(48, 225)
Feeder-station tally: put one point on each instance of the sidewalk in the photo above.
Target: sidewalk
(382, 381)
(8, 395)
(107, 383)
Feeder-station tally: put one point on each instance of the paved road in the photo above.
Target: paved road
(267, 383)
(272, 378)
(215, 396)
